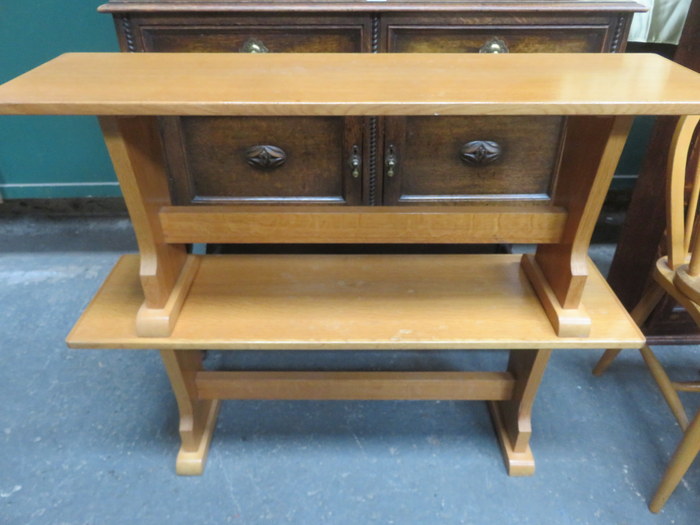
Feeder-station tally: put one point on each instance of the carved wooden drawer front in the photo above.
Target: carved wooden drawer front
(273, 34)
(531, 32)
(454, 159)
(440, 37)
(224, 160)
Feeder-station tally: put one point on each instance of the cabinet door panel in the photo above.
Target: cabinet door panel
(231, 160)
(466, 159)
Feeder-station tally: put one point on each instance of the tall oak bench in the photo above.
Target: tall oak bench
(168, 299)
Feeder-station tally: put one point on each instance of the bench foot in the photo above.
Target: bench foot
(567, 322)
(197, 416)
(191, 462)
(517, 463)
(159, 322)
(512, 418)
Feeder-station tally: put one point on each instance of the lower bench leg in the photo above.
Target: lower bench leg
(197, 416)
(511, 418)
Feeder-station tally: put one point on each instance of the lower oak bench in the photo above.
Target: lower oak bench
(168, 299)
(344, 302)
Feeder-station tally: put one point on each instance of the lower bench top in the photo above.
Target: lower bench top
(336, 302)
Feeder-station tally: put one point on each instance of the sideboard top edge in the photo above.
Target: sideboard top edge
(552, 7)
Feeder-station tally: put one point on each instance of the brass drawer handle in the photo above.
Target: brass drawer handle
(390, 161)
(265, 156)
(355, 162)
(253, 45)
(480, 152)
(494, 45)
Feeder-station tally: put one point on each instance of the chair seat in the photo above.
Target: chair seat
(667, 278)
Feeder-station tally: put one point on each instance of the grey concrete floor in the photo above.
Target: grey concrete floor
(90, 437)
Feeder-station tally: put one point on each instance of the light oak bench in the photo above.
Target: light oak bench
(180, 304)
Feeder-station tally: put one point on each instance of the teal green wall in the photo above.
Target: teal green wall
(52, 156)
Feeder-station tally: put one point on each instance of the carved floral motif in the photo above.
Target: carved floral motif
(265, 156)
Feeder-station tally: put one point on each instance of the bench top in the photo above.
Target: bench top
(353, 84)
(354, 302)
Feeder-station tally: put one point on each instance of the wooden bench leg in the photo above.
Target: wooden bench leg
(558, 271)
(197, 416)
(166, 270)
(511, 418)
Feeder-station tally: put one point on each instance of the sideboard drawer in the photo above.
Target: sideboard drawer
(238, 160)
(497, 39)
(266, 35)
(483, 32)
(466, 159)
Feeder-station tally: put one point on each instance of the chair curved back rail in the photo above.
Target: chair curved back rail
(679, 272)
(679, 275)
(683, 242)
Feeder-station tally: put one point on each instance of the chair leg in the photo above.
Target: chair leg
(604, 362)
(681, 461)
(664, 383)
(639, 313)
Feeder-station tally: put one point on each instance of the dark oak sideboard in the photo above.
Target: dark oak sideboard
(366, 160)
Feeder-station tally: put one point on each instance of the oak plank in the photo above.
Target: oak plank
(355, 385)
(353, 84)
(352, 224)
(353, 302)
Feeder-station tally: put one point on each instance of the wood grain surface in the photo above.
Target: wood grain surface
(353, 84)
(377, 302)
(357, 224)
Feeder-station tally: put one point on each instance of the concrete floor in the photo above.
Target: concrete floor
(80, 444)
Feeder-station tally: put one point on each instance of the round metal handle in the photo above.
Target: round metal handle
(480, 152)
(494, 45)
(265, 156)
(253, 45)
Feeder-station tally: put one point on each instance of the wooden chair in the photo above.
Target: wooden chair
(677, 274)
